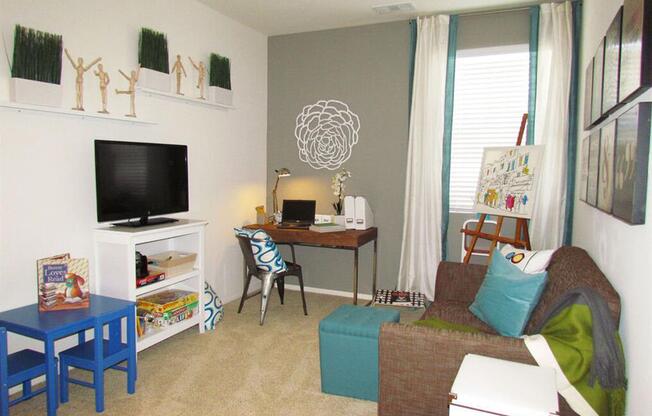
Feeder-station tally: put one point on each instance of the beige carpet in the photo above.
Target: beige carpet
(240, 368)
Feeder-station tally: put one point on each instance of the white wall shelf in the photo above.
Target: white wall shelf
(115, 267)
(183, 98)
(74, 113)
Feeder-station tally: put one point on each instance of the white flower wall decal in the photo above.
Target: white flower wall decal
(326, 133)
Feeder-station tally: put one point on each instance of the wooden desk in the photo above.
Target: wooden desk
(344, 240)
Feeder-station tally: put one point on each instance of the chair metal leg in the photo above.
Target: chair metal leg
(268, 283)
(280, 285)
(303, 296)
(244, 292)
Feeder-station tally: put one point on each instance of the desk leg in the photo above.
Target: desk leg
(294, 259)
(355, 277)
(375, 273)
(51, 377)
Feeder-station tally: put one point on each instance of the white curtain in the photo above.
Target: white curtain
(551, 125)
(421, 246)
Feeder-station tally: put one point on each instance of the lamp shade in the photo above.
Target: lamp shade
(282, 172)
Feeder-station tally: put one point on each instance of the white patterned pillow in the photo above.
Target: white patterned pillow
(530, 262)
(266, 254)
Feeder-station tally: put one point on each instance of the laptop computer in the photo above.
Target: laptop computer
(298, 213)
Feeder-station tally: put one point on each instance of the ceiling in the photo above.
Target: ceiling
(277, 17)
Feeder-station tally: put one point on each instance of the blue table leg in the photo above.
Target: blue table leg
(98, 371)
(51, 377)
(131, 344)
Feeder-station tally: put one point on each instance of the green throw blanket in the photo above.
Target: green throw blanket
(579, 339)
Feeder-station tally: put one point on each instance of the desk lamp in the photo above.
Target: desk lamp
(280, 173)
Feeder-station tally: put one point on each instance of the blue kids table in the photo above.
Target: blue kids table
(50, 326)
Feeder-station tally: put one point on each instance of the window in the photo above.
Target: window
(491, 95)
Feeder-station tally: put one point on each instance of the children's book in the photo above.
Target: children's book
(62, 283)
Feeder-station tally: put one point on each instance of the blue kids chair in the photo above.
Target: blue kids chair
(19, 367)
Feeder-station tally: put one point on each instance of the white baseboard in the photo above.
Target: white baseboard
(342, 293)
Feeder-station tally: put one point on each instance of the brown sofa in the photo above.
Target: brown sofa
(417, 365)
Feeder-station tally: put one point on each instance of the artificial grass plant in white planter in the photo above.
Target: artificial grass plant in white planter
(154, 60)
(219, 90)
(36, 68)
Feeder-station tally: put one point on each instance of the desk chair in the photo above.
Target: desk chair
(19, 367)
(267, 278)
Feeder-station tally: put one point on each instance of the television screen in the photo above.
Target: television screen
(137, 180)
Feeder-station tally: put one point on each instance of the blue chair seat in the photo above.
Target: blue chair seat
(83, 355)
(18, 368)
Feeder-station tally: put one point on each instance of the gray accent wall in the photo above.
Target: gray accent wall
(365, 67)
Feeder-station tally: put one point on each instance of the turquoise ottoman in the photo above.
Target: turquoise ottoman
(348, 350)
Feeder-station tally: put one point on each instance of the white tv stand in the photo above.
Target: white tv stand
(115, 266)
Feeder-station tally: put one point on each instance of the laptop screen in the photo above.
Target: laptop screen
(298, 211)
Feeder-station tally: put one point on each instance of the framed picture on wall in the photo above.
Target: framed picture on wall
(584, 168)
(612, 64)
(594, 168)
(636, 55)
(598, 72)
(632, 151)
(606, 167)
(588, 94)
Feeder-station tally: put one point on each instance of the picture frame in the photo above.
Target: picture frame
(636, 49)
(631, 163)
(611, 76)
(584, 168)
(598, 73)
(594, 168)
(588, 94)
(508, 179)
(606, 167)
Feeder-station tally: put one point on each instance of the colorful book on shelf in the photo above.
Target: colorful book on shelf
(327, 228)
(62, 283)
(399, 298)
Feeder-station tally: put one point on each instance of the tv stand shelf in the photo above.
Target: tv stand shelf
(115, 267)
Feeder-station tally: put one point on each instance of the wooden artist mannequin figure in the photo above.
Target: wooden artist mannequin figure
(79, 81)
(201, 76)
(103, 78)
(178, 69)
(133, 79)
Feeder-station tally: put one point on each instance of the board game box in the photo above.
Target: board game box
(399, 298)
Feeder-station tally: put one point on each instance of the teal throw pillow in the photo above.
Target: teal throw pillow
(266, 254)
(507, 296)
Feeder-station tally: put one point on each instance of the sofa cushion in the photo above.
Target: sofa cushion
(456, 312)
(529, 261)
(507, 296)
(266, 254)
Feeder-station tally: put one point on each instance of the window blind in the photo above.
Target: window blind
(491, 95)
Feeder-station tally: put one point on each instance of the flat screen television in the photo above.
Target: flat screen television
(138, 180)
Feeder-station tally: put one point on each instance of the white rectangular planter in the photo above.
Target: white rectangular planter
(27, 91)
(154, 80)
(220, 95)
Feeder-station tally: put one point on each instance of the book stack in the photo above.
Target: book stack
(327, 228)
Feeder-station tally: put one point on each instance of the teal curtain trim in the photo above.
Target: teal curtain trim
(534, 51)
(448, 133)
(572, 124)
(412, 48)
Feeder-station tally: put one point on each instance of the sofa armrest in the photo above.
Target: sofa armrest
(458, 282)
(417, 365)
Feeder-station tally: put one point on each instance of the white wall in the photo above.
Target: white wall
(622, 251)
(47, 184)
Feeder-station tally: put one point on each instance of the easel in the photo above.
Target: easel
(521, 237)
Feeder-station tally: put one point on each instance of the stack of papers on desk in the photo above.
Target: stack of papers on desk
(327, 228)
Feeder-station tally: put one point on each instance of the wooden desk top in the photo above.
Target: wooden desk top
(349, 239)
